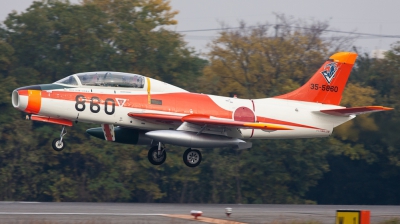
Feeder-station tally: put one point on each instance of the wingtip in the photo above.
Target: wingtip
(379, 108)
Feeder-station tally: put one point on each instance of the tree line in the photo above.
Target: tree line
(359, 164)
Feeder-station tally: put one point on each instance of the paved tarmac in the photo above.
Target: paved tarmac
(99, 213)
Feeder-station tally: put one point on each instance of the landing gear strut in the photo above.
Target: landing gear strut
(157, 155)
(192, 157)
(58, 143)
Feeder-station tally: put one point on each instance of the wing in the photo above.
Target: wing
(355, 110)
(206, 120)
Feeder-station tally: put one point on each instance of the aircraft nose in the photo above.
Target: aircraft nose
(15, 99)
(28, 99)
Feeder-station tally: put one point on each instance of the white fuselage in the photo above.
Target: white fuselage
(302, 117)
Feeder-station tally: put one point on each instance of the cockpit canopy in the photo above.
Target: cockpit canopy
(108, 79)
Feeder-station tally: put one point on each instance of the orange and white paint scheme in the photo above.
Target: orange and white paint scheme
(134, 109)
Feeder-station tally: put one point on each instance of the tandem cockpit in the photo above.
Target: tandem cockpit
(119, 80)
(104, 79)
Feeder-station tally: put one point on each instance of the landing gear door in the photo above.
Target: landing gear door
(108, 130)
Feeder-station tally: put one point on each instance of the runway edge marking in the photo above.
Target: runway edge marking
(203, 219)
(79, 213)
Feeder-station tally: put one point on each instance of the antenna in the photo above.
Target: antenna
(276, 26)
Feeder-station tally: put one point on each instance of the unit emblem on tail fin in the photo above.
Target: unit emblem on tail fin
(329, 72)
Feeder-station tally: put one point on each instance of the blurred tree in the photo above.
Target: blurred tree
(367, 173)
(57, 39)
(253, 63)
(54, 39)
(145, 46)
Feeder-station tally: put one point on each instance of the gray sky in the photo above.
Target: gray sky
(364, 16)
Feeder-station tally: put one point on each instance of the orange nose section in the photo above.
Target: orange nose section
(34, 101)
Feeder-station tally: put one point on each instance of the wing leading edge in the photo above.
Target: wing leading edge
(206, 120)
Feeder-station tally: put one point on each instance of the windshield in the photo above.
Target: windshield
(70, 80)
(114, 79)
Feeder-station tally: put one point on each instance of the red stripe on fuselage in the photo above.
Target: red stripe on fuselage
(185, 103)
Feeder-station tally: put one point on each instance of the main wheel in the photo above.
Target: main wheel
(192, 157)
(58, 145)
(154, 158)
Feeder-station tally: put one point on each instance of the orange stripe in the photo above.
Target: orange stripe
(185, 103)
(200, 104)
(275, 121)
(266, 126)
(148, 90)
(34, 101)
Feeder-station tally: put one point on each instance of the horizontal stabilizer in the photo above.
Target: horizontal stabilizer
(355, 110)
(206, 120)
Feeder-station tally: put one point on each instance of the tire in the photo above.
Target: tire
(57, 145)
(153, 158)
(192, 157)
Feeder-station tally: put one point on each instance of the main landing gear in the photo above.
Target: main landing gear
(58, 143)
(192, 157)
(157, 156)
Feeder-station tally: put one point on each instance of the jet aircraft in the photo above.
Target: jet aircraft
(135, 109)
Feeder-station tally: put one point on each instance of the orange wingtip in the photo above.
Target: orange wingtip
(344, 57)
(379, 108)
(266, 126)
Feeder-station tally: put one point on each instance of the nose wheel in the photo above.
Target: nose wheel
(157, 155)
(192, 157)
(58, 144)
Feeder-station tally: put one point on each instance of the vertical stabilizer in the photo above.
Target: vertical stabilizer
(327, 84)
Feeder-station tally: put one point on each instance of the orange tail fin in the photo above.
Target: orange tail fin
(327, 84)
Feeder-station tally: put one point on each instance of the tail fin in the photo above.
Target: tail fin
(327, 84)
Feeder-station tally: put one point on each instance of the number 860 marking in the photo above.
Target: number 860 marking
(95, 104)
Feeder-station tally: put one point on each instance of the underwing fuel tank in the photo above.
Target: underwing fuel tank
(122, 135)
(192, 139)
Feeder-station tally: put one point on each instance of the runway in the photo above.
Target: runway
(53, 212)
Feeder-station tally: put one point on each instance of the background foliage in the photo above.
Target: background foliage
(359, 164)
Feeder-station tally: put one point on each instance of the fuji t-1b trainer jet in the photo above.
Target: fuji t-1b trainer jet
(134, 109)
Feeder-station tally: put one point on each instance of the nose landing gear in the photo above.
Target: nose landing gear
(58, 143)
